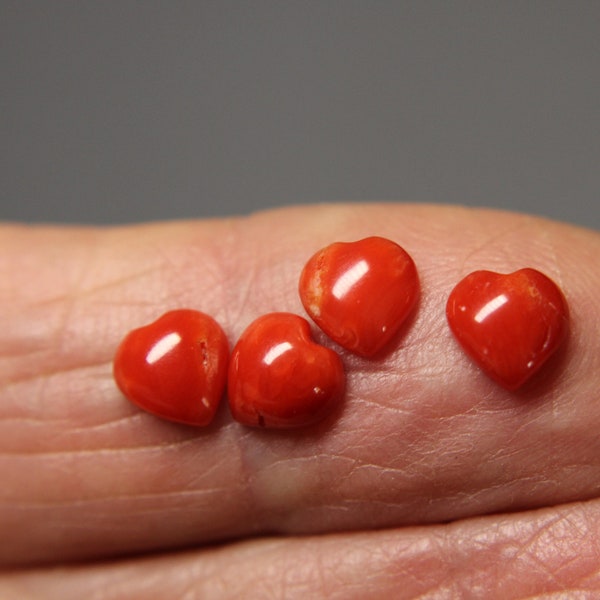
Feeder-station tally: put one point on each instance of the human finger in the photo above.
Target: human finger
(423, 436)
(548, 553)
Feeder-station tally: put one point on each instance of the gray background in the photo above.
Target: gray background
(127, 111)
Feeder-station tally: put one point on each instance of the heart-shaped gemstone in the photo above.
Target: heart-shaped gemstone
(279, 377)
(175, 367)
(508, 324)
(360, 293)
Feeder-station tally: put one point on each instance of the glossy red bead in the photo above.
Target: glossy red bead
(280, 378)
(175, 367)
(508, 324)
(360, 293)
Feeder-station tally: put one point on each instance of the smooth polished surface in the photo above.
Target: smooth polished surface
(280, 378)
(175, 367)
(360, 293)
(508, 324)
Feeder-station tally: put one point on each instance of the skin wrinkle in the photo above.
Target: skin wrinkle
(68, 314)
(527, 557)
(254, 292)
(235, 297)
(51, 398)
(378, 403)
(60, 356)
(111, 423)
(52, 371)
(187, 495)
(563, 531)
(20, 353)
(89, 293)
(542, 236)
(474, 582)
(548, 241)
(206, 264)
(492, 240)
(244, 297)
(100, 451)
(569, 595)
(168, 454)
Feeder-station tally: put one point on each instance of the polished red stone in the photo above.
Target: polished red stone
(175, 367)
(360, 293)
(508, 324)
(280, 378)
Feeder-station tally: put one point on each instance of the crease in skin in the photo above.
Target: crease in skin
(25, 350)
(58, 436)
(246, 287)
(100, 452)
(549, 244)
(375, 404)
(99, 501)
(58, 346)
(525, 223)
(86, 293)
(109, 421)
(94, 474)
(544, 549)
(53, 371)
(50, 396)
(237, 299)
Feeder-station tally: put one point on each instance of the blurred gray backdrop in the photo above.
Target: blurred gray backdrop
(127, 111)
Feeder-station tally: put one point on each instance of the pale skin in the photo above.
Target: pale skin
(431, 481)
